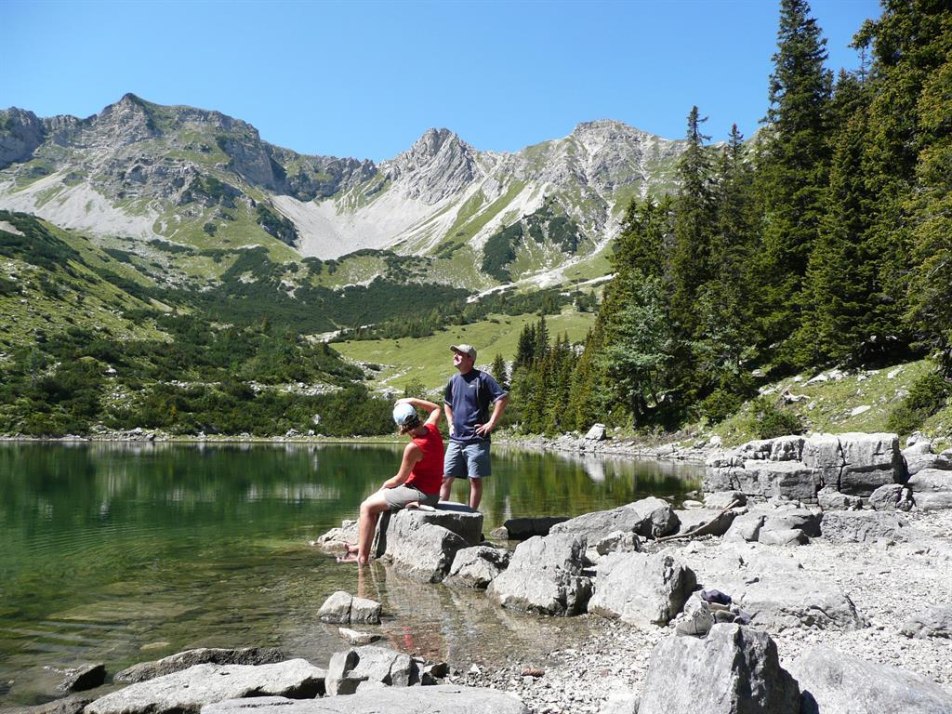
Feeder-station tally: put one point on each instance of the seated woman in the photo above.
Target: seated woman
(416, 483)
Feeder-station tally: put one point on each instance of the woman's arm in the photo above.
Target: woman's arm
(411, 455)
(431, 407)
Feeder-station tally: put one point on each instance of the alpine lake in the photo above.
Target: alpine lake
(127, 552)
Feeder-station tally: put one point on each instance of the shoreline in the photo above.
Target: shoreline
(609, 447)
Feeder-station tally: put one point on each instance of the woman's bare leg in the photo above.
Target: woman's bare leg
(370, 511)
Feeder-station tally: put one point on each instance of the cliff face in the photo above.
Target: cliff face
(183, 174)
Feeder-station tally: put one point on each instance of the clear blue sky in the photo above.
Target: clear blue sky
(366, 79)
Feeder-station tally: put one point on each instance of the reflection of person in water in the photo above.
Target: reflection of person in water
(417, 483)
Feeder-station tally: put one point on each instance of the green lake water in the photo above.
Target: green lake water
(122, 553)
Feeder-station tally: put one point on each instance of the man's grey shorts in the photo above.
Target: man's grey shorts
(400, 496)
(467, 460)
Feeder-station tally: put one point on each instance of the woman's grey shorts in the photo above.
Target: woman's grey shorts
(400, 496)
(467, 460)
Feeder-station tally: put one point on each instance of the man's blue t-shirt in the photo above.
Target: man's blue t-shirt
(471, 396)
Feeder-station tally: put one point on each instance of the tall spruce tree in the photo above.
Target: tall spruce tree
(694, 224)
(930, 203)
(725, 338)
(793, 166)
(586, 394)
(846, 319)
(498, 369)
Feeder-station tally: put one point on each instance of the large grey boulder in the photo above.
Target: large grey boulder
(193, 688)
(348, 670)
(649, 517)
(766, 479)
(830, 499)
(746, 528)
(891, 497)
(919, 455)
(203, 655)
(641, 589)
(856, 463)
(781, 601)
(763, 523)
(772, 587)
(936, 621)
(338, 539)
(476, 567)
(545, 576)
(836, 683)
(863, 526)
(796, 468)
(466, 523)
(705, 521)
(723, 499)
(734, 670)
(422, 549)
(455, 517)
(443, 698)
(617, 542)
(932, 489)
(789, 537)
(342, 608)
(596, 433)
(792, 518)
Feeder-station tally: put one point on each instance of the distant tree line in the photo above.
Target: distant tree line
(226, 380)
(462, 311)
(825, 240)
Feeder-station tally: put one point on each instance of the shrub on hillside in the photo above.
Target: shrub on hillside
(768, 421)
(720, 405)
(927, 396)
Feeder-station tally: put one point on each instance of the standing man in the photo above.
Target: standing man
(466, 401)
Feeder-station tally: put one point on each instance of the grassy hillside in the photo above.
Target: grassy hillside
(837, 402)
(427, 360)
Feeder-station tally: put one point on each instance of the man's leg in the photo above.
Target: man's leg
(478, 468)
(446, 488)
(454, 464)
(475, 493)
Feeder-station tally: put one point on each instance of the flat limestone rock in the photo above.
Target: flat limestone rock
(836, 683)
(193, 688)
(203, 655)
(442, 698)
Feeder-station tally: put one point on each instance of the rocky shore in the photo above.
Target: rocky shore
(815, 576)
(890, 583)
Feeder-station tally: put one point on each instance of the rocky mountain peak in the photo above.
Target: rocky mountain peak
(439, 164)
(20, 133)
(126, 122)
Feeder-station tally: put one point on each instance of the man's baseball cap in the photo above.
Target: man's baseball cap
(468, 350)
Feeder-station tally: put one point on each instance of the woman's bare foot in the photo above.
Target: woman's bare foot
(352, 549)
(351, 558)
(412, 504)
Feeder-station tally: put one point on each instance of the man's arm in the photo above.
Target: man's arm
(498, 408)
(448, 410)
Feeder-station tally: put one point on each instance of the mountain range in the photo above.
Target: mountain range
(162, 182)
